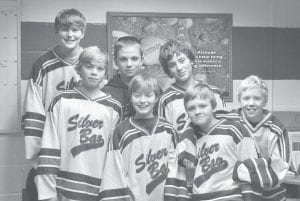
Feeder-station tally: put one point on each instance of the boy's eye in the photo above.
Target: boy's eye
(257, 98)
(75, 29)
(172, 65)
(136, 95)
(101, 68)
(149, 95)
(135, 58)
(122, 59)
(181, 61)
(190, 108)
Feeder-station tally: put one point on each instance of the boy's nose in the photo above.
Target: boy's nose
(129, 63)
(94, 71)
(179, 66)
(142, 98)
(70, 33)
(251, 101)
(197, 111)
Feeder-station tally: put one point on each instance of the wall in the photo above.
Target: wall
(272, 53)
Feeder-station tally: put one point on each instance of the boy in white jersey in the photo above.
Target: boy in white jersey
(271, 138)
(213, 146)
(52, 73)
(78, 127)
(177, 61)
(143, 149)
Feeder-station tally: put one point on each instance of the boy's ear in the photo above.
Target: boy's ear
(142, 58)
(83, 34)
(265, 103)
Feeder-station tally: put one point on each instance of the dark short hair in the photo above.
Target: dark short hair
(126, 41)
(68, 18)
(169, 49)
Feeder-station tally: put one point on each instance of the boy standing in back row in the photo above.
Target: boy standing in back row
(52, 73)
(128, 56)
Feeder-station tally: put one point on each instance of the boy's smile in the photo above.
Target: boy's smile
(252, 103)
(70, 37)
(143, 103)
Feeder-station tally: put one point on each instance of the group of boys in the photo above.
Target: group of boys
(127, 141)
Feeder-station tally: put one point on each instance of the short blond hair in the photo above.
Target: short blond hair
(93, 53)
(201, 91)
(145, 82)
(253, 82)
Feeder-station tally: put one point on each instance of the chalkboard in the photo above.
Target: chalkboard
(209, 36)
(9, 78)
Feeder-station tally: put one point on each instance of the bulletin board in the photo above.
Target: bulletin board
(209, 36)
(9, 73)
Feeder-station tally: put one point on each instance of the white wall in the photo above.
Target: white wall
(257, 13)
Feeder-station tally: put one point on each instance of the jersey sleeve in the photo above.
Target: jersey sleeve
(114, 186)
(33, 119)
(49, 156)
(187, 148)
(282, 148)
(176, 186)
(116, 117)
(163, 110)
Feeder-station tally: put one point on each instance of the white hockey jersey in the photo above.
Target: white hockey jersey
(171, 106)
(266, 172)
(215, 155)
(139, 162)
(74, 145)
(50, 76)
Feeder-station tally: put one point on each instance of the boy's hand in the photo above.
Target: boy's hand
(188, 164)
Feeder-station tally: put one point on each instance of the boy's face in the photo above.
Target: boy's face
(200, 112)
(143, 103)
(129, 60)
(69, 36)
(180, 67)
(252, 103)
(92, 75)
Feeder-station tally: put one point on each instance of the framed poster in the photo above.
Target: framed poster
(209, 36)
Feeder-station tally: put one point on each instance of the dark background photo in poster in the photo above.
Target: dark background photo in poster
(208, 35)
